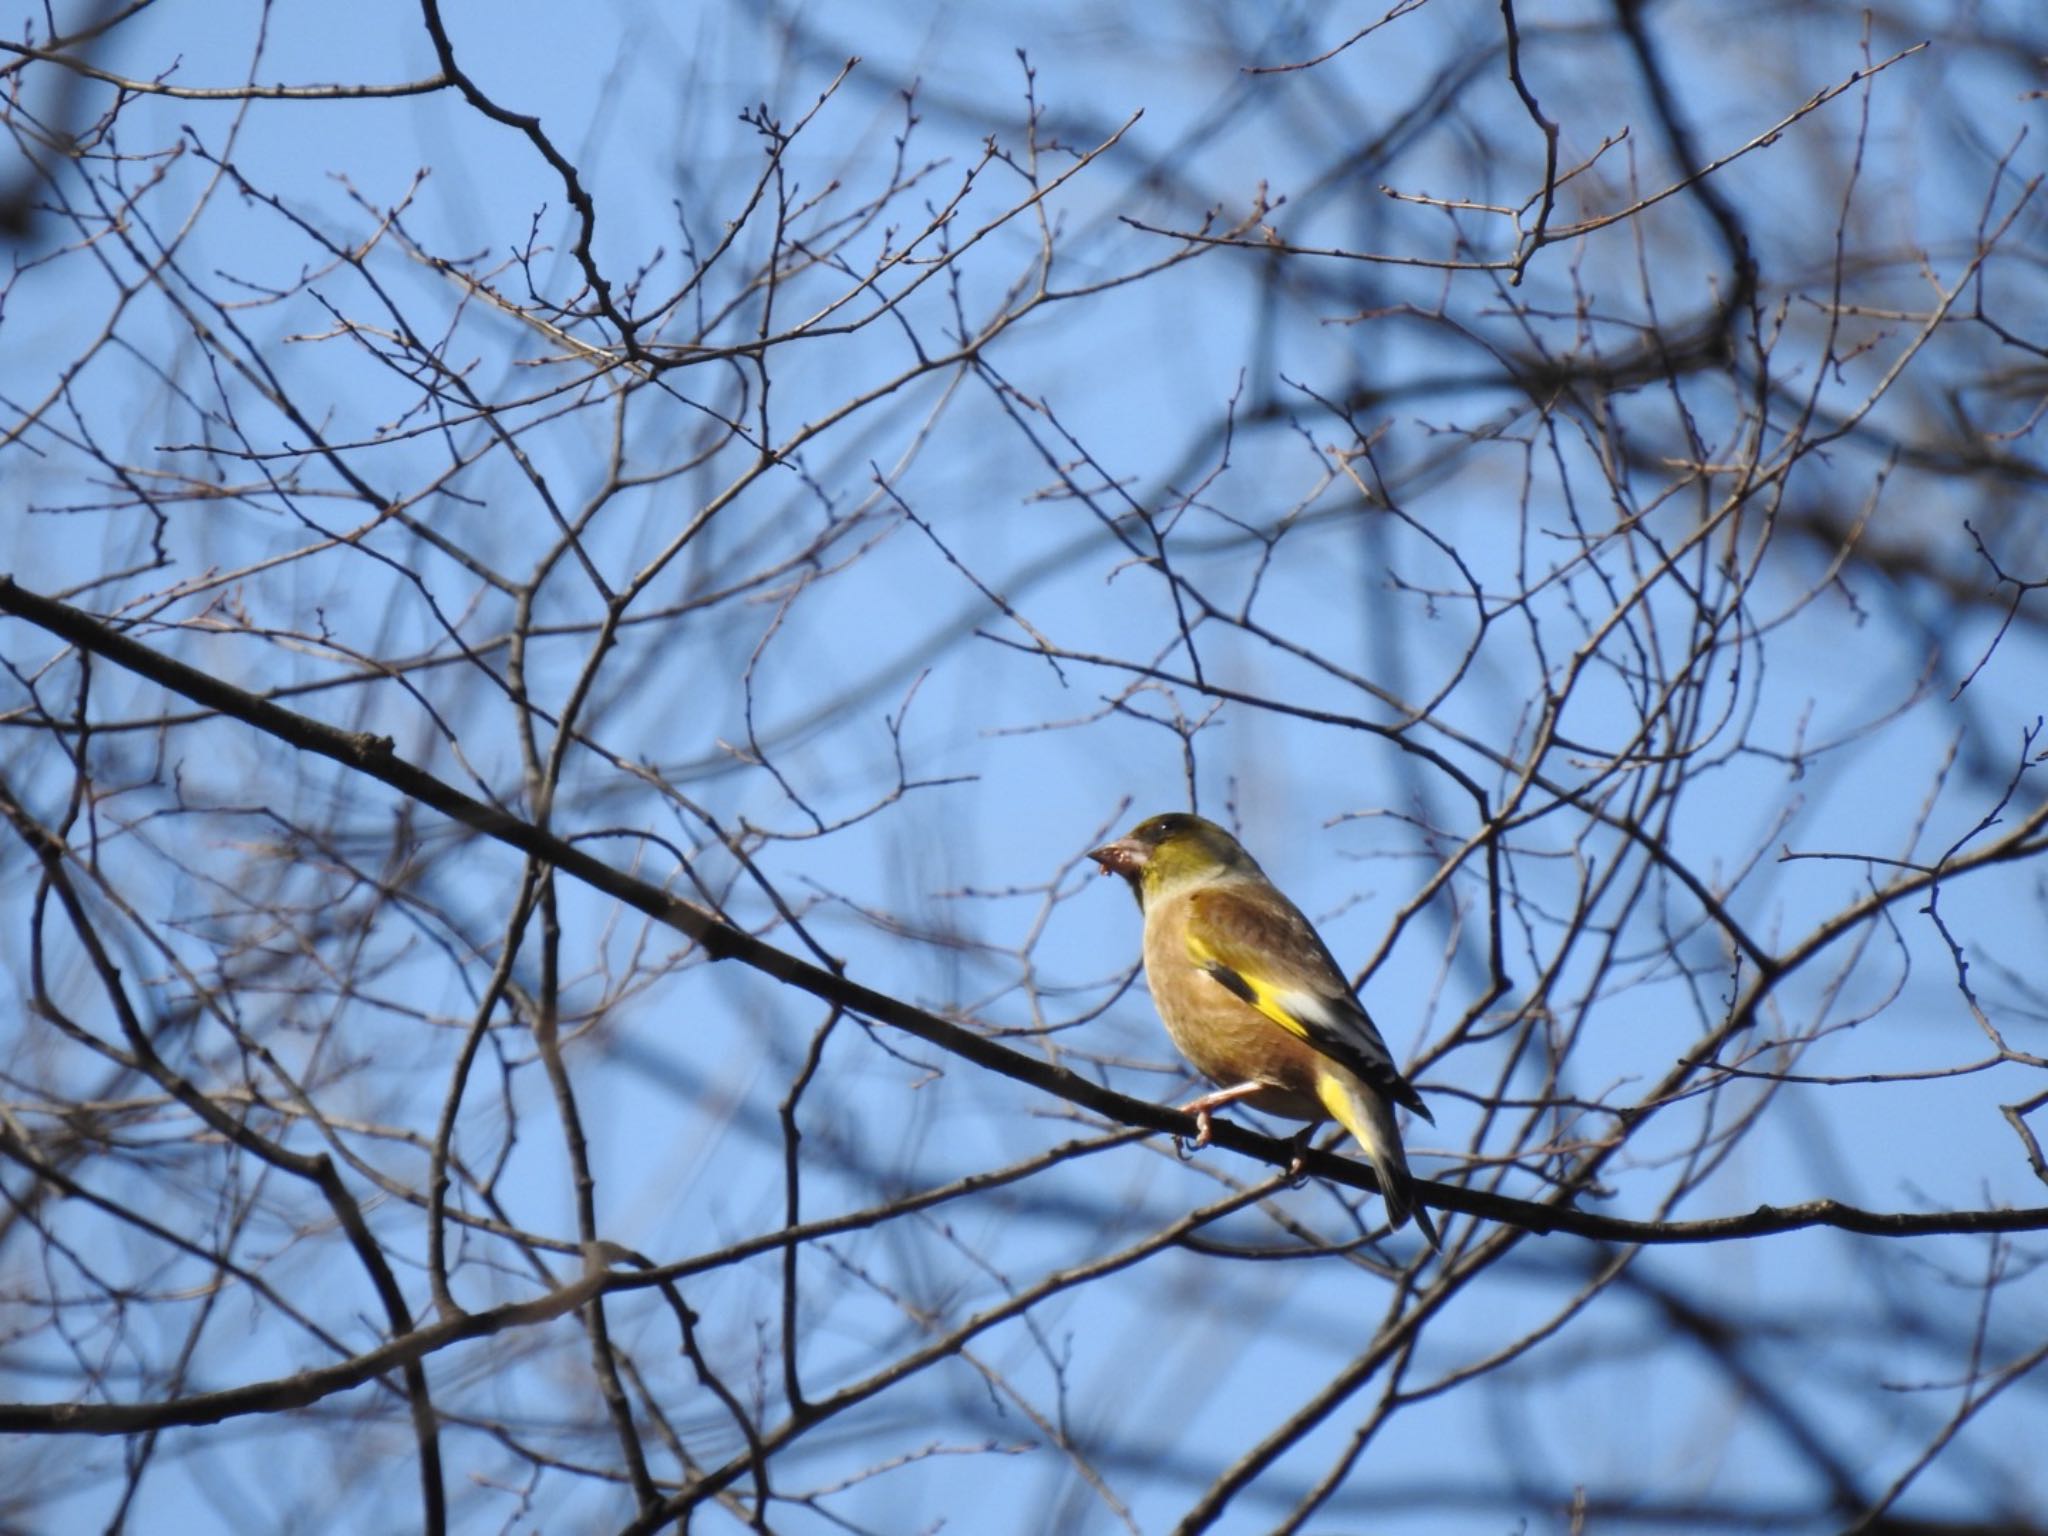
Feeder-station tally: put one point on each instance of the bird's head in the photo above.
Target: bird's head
(1171, 850)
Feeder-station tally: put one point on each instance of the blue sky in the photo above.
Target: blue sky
(853, 630)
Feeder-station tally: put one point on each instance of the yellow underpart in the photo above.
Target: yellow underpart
(1332, 1094)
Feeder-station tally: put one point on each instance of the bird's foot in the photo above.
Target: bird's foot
(1205, 1127)
(1204, 1110)
(1297, 1168)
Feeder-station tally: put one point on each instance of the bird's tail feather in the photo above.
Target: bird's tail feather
(1370, 1120)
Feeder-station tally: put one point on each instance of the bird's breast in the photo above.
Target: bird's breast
(1223, 1037)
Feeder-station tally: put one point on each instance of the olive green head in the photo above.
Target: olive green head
(1172, 850)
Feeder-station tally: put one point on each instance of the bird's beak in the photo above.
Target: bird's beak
(1125, 857)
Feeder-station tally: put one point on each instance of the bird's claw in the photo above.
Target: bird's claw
(1297, 1167)
(1205, 1128)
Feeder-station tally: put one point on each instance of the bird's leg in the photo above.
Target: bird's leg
(1204, 1108)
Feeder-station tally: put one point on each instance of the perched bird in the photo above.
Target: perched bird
(1251, 997)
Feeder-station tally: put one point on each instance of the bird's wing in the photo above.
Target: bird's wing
(1265, 951)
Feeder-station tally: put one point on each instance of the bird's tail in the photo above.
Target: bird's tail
(1370, 1119)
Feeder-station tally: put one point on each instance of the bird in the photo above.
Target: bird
(1251, 996)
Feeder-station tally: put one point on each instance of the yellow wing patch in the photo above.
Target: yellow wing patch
(1265, 999)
